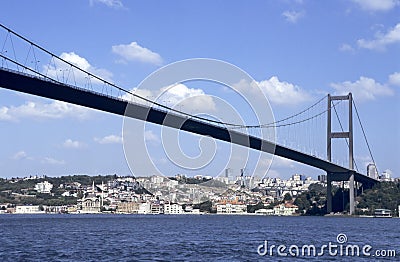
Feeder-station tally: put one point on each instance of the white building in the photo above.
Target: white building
(386, 176)
(90, 204)
(172, 183)
(28, 210)
(144, 208)
(286, 209)
(173, 209)
(157, 179)
(263, 211)
(223, 179)
(231, 208)
(68, 194)
(44, 187)
(156, 209)
(371, 171)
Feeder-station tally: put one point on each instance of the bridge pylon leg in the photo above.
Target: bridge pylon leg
(328, 193)
(351, 194)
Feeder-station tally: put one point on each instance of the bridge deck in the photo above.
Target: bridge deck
(54, 90)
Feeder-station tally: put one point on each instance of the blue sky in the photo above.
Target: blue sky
(297, 51)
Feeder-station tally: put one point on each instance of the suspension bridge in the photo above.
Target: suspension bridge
(62, 80)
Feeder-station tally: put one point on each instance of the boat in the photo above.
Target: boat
(383, 212)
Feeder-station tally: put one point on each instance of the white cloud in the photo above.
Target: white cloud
(363, 161)
(69, 143)
(61, 71)
(135, 52)
(111, 139)
(277, 92)
(382, 40)
(52, 161)
(151, 137)
(293, 16)
(38, 110)
(189, 98)
(346, 48)
(4, 114)
(145, 93)
(394, 79)
(377, 5)
(110, 3)
(178, 96)
(363, 89)
(279, 162)
(20, 155)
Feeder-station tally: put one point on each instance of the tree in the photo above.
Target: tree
(253, 208)
(287, 197)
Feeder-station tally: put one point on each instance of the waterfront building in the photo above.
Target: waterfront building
(173, 209)
(128, 208)
(29, 210)
(263, 211)
(144, 208)
(156, 208)
(286, 209)
(195, 211)
(90, 202)
(229, 208)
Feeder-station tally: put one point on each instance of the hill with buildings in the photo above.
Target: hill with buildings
(180, 194)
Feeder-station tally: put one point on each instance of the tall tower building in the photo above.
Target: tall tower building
(227, 172)
(371, 171)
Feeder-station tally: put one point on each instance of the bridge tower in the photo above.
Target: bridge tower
(349, 135)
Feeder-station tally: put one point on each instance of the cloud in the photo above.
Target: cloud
(363, 161)
(135, 52)
(38, 110)
(279, 162)
(363, 89)
(52, 161)
(277, 92)
(61, 71)
(151, 137)
(382, 40)
(110, 3)
(111, 139)
(189, 98)
(394, 79)
(293, 16)
(377, 5)
(20, 155)
(5, 114)
(346, 48)
(178, 96)
(145, 93)
(69, 143)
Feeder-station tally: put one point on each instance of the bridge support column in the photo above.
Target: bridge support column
(351, 194)
(328, 193)
(343, 134)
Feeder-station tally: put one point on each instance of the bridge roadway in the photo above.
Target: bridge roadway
(55, 90)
